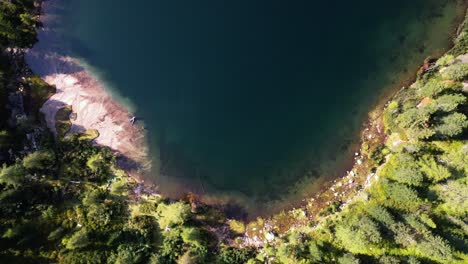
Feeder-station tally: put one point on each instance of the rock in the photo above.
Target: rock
(269, 236)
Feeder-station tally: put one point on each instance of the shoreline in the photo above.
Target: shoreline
(340, 191)
(93, 106)
(96, 109)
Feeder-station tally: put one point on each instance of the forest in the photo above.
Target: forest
(64, 200)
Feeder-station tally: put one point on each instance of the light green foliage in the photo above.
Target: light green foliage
(415, 222)
(173, 214)
(95, 162)
(39, 160)
(450, 102)
(315, 254)
(396, 195)
(413, 118)
(461, 41)
(434, 87)
(79, 239)
(12, 175)
(456, 72)
(294, 250)
(445, 60)
(455, 154)
(389, 115)
(67, 203)
(237, 227)
(432, 170)
(435, 248)
(454, 195)
(380, 214)
(402, 167)
(403, 234)
(415, 122)
(193, 236)
(451, 125)
(358, 234)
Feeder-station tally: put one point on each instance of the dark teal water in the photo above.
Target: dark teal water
(247, 97)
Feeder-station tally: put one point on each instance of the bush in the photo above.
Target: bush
(173, 214)
(445, 60)
(237, 227)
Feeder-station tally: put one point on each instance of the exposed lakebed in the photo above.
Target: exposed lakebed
(245, 99)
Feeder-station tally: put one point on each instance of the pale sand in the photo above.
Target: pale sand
(94, 106)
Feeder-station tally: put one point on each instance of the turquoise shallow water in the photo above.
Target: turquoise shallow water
(247, 97)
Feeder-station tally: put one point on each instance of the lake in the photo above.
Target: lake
(246, 99)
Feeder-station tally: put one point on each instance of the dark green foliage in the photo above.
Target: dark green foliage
(17, 24)
(230, 255)
(13, 175)
(39, 160)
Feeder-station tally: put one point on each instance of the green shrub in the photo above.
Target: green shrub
(173, 214)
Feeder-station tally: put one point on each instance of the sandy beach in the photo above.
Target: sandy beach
(91, 103)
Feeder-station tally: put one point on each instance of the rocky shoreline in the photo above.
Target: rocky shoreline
(93, 108)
